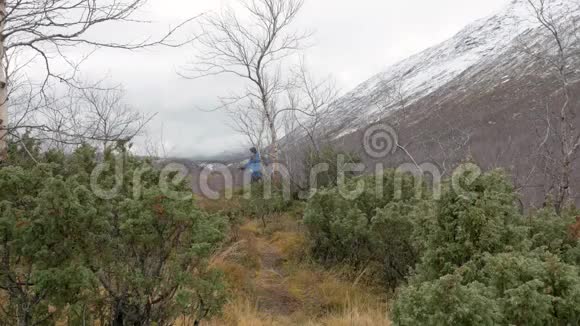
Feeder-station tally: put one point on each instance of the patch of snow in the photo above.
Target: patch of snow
(422, 74)
(345, 132)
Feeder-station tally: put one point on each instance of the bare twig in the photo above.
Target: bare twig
(252, 46)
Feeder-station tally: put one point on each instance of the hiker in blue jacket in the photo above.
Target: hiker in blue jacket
(254, 165)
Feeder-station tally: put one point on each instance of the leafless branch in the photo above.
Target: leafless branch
(251, 44)
(560, 53)
(37, 35)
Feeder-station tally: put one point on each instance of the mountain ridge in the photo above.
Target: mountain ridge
(481, 94)
(418, 76)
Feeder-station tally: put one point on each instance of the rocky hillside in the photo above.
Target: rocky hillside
(483, 93)
(487, 54)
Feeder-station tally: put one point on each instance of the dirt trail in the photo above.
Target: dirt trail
(272, 286)
(272, 294)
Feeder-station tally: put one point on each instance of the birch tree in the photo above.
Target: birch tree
(560, 145)
(252, 44)
(3, 87)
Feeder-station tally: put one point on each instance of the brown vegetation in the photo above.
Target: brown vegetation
(575, 229)
(271, 282)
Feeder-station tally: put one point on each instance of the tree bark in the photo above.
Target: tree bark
(274, 143)
(3, 88)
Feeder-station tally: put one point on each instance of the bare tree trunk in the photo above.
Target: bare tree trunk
(252, 46)
(3, 88)
(274, 143)
(559, 56)
(563, 191)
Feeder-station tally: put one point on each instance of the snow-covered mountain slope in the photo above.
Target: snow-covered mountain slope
(473, 50)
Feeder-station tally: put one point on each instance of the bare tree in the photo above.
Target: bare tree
(397, 99)
(311, 105)
(3, 88)
(39, 33)
(108, 119)
(96, 115)
(99, 117)
(252, 44)
(394, 106)
(253, 125)
(446, 146)
(559, 146)
(451, 146)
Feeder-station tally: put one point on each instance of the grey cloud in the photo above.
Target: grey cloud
(353, 41)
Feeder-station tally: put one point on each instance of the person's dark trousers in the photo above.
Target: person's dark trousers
(256, 178)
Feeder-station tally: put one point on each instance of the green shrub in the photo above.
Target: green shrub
(484, 264)
(41, 215)
(534, 289)
(506, 289)
(393, 238)
(446, 301)
(553, 232)
(375, 228)
(262, 202)
(329, 156)
(465, 227)
(134, 258)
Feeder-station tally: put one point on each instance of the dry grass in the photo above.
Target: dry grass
(251, 227)
(241, 312)
(355, 316)
(327, 292)
(317, 296)
(292, 245)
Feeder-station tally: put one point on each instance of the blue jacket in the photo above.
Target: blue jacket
(255, 165)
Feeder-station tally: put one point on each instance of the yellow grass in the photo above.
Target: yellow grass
(290, 244)
(356, 316)
(241, 312)
(321, 297)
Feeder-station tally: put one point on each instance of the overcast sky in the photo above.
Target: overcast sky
(353, 40)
